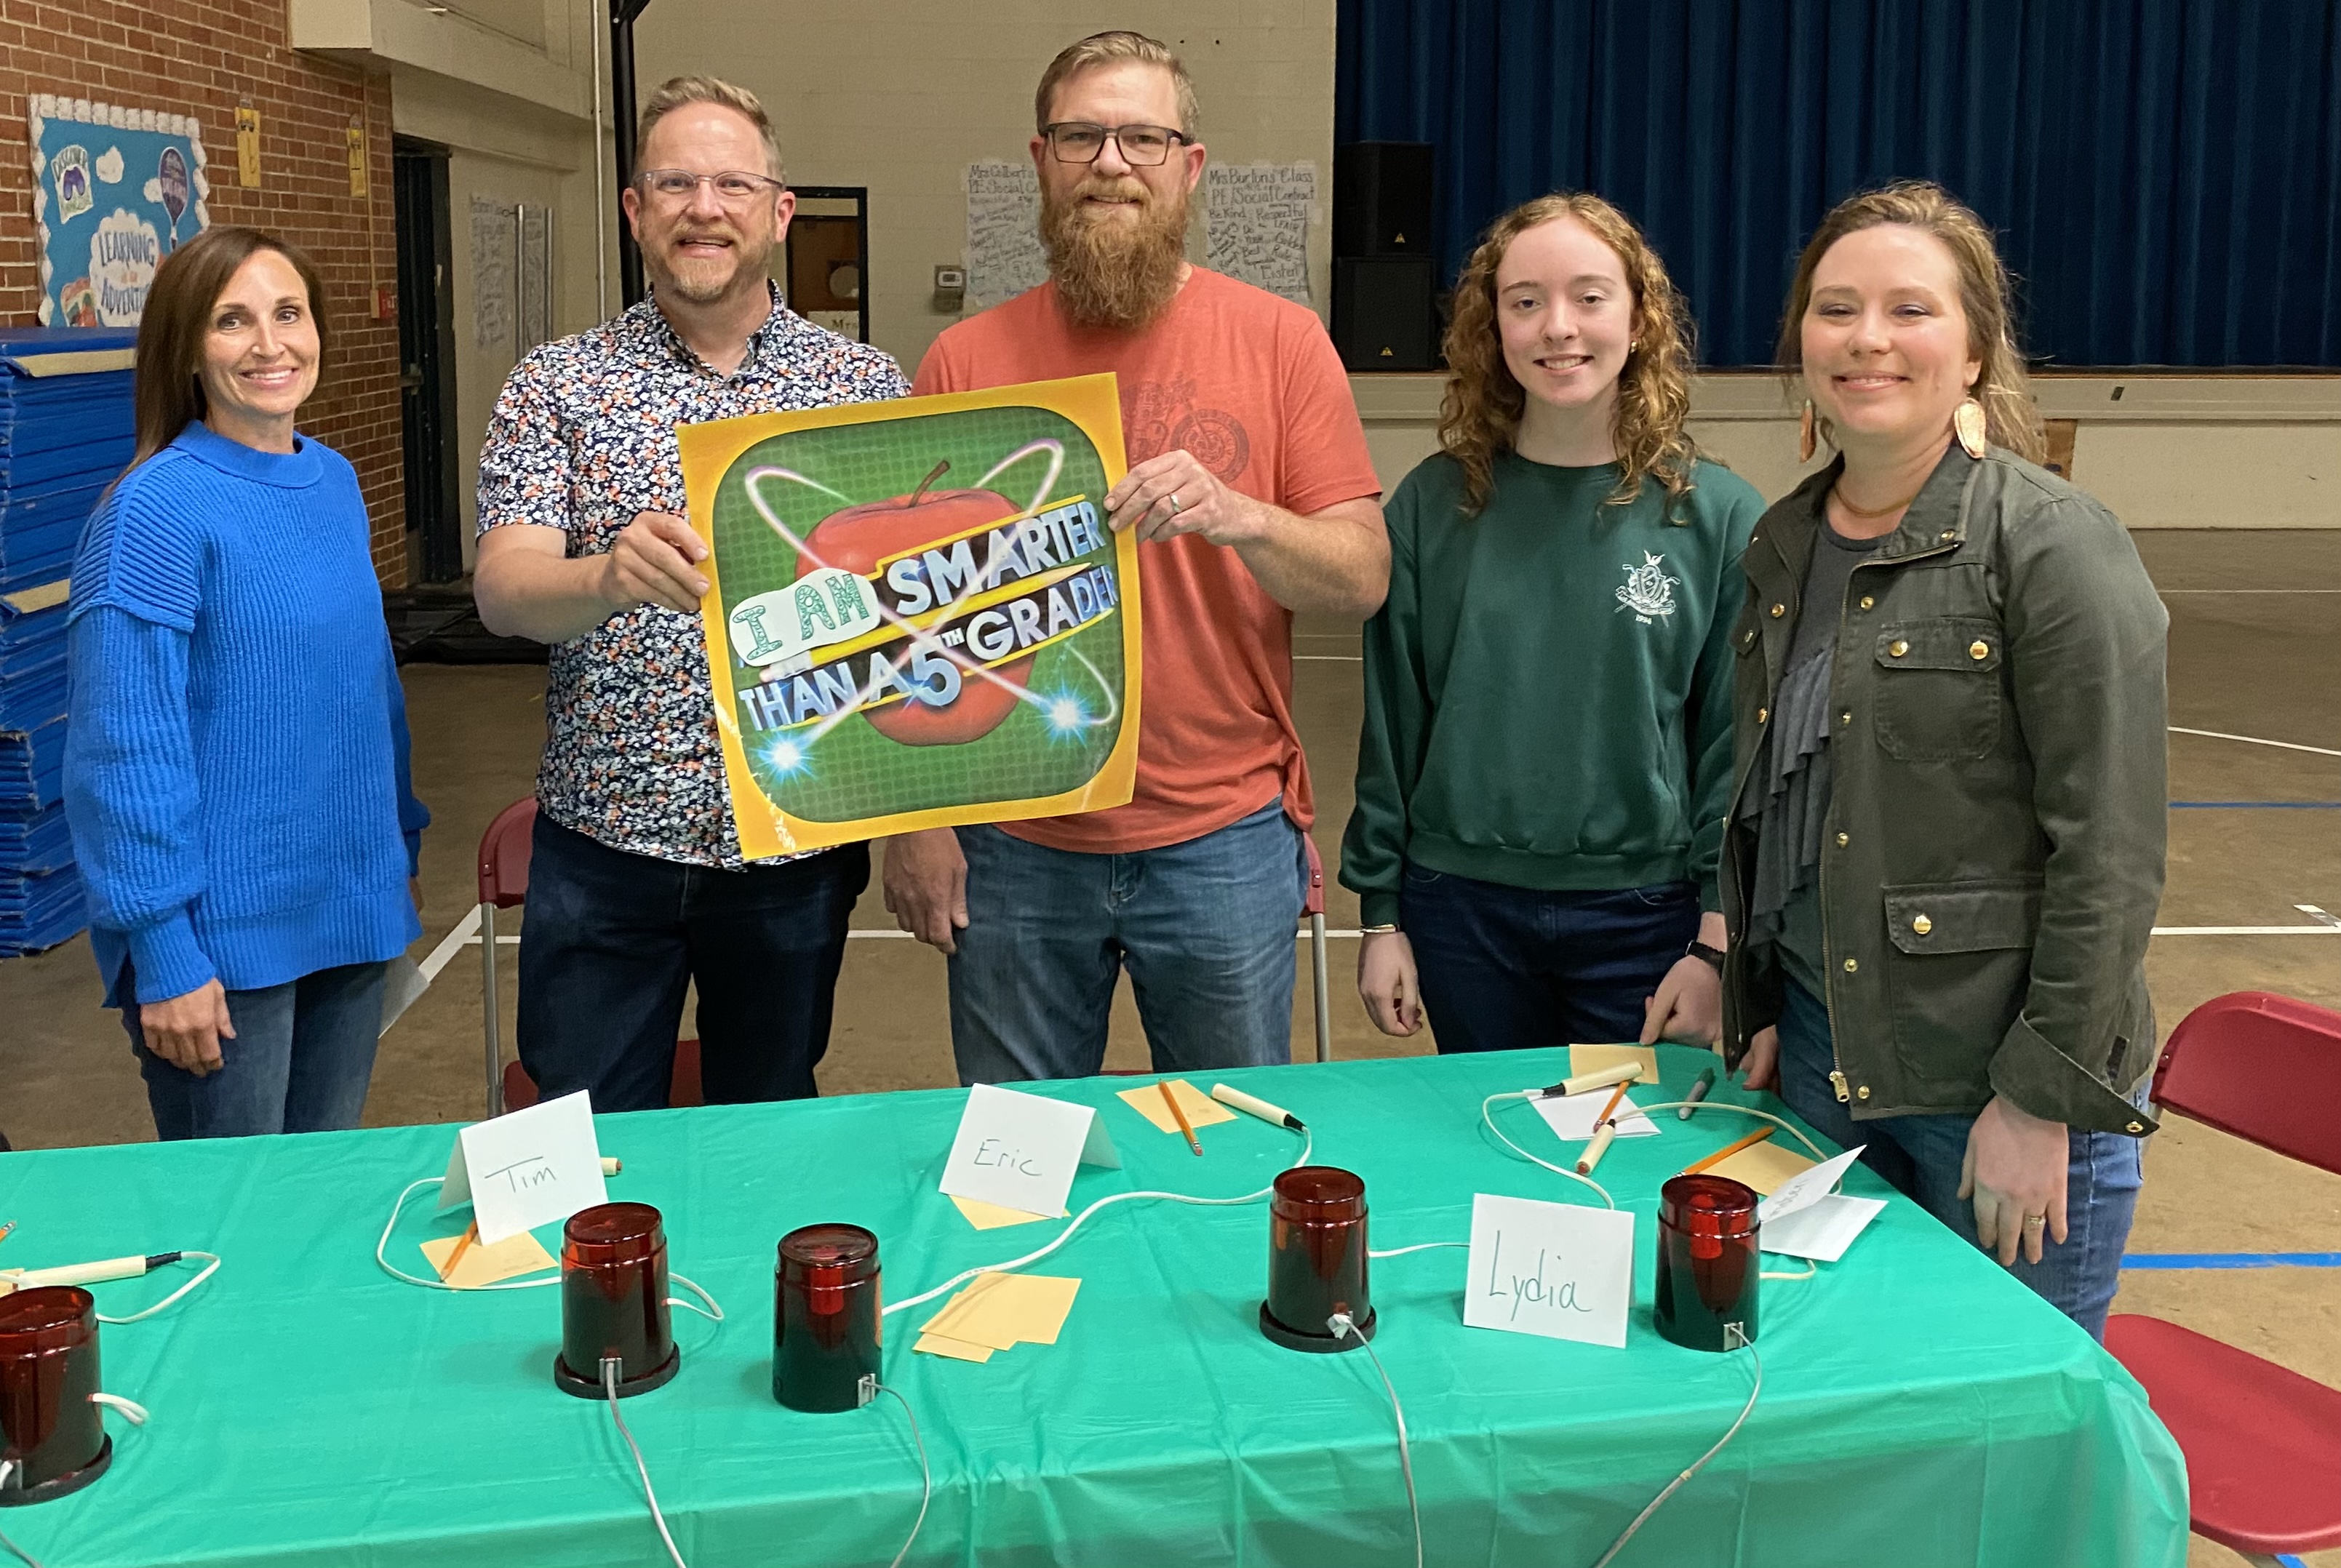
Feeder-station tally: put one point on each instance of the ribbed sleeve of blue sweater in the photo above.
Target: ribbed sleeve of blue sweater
(237, 763)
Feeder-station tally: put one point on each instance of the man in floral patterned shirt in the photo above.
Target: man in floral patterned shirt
(637, 885)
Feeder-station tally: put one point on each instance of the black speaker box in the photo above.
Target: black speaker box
(1384, 315)
(1382, 199)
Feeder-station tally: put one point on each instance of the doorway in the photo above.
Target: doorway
(827, 268)
(426, 361)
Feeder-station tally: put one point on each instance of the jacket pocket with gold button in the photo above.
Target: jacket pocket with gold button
(1939, 689)
(1957, 977)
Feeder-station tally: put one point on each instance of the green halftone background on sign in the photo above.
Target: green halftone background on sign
(853, 771)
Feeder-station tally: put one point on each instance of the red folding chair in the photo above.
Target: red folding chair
(2263, 1444)
(503, 885)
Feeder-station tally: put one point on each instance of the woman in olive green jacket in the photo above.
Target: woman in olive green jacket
(1946, 842)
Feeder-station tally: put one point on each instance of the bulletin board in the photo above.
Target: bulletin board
(114, 191)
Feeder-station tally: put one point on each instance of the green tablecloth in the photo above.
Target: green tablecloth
(1919, 1406)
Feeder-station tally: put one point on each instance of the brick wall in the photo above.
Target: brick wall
(202, 58)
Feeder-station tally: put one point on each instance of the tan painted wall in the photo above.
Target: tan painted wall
(2170, 451)
(902, 98)
(508, 86)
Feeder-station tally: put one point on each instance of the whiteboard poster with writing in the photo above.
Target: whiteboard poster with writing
(495, 310)
(1258, 224)
(1004, 257)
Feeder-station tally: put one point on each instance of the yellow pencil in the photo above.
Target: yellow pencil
(1727, 1151)
(462, 1245)
(1184, 1125)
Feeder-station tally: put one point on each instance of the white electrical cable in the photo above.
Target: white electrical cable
(7, 1467)
(209, 1269)
(1342, 1327)
(1810, 1271)
(382, 1249)
(1700, 1463)
(1308, 1143)
(712, 1312)
(1488, 1114)
(926, 1476)
(131, 1408)
(383, 1246)
(1419, 1246)
(610, 1386)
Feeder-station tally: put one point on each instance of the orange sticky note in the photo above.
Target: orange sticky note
(484, 1264)
(957, 1349)
(1201, 1110)
(1762, 1167)
(991, 1215)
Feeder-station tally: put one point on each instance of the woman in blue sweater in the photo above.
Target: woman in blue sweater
(236, 767)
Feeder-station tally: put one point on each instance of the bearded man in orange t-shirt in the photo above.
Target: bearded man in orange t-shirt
(1251, 496)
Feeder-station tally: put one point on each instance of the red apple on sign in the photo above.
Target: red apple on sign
(859, 537)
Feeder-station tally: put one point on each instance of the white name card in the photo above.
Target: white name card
(1806, 1188)
(1020, 1151)
(526, 1168)
(1560, 1270)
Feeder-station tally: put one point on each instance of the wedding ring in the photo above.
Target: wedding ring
(1174, 503)
(2035, 1219)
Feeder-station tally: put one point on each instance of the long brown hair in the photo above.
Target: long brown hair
(1480, 414)
(2011, 418)
(167, 392)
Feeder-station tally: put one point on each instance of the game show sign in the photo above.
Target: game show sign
(916, 615)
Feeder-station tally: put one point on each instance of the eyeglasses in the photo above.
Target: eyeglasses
(1080, 141)
(733, 188)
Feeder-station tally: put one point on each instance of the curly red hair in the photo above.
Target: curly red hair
(1481, 413)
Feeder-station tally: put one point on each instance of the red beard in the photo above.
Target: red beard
(1110, 273)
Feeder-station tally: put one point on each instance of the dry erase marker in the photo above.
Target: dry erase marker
(1697, 1093)
(1251, 1104)
(1623, 1072)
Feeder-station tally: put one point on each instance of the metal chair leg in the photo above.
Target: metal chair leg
(1324, 1012)
(490, 1011)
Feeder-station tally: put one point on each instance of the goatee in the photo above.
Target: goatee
(1110, 273)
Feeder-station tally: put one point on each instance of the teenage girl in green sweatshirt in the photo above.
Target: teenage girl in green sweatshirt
(1546, 758)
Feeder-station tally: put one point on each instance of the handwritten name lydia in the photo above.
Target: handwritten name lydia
(1530, 1289)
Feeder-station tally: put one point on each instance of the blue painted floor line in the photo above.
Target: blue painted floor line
(2233, 1260)
(2256, 805)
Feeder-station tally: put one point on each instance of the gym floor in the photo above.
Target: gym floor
(2255, 836)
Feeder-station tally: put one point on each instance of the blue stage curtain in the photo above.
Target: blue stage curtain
(2165, 175)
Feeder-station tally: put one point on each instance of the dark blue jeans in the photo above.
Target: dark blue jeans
(299, 1062)
(1922, 1157)
(1205, 926)
(611, 940)
(1510, 968)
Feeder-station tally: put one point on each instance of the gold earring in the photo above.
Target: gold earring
(1972, 428)
(1808, 438)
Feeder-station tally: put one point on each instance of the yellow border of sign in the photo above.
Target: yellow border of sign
(1093, 404)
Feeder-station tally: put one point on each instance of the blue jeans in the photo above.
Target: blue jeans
(1206, 928)
(613, 940)
(299, 1062)
(1921, 1156)
(1512, 968)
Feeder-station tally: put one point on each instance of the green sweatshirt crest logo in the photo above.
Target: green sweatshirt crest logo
(1647, 590)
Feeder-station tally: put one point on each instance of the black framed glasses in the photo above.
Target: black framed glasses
(1080, 141)
(733, 187)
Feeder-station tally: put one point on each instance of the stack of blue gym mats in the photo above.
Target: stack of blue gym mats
(65, 432)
